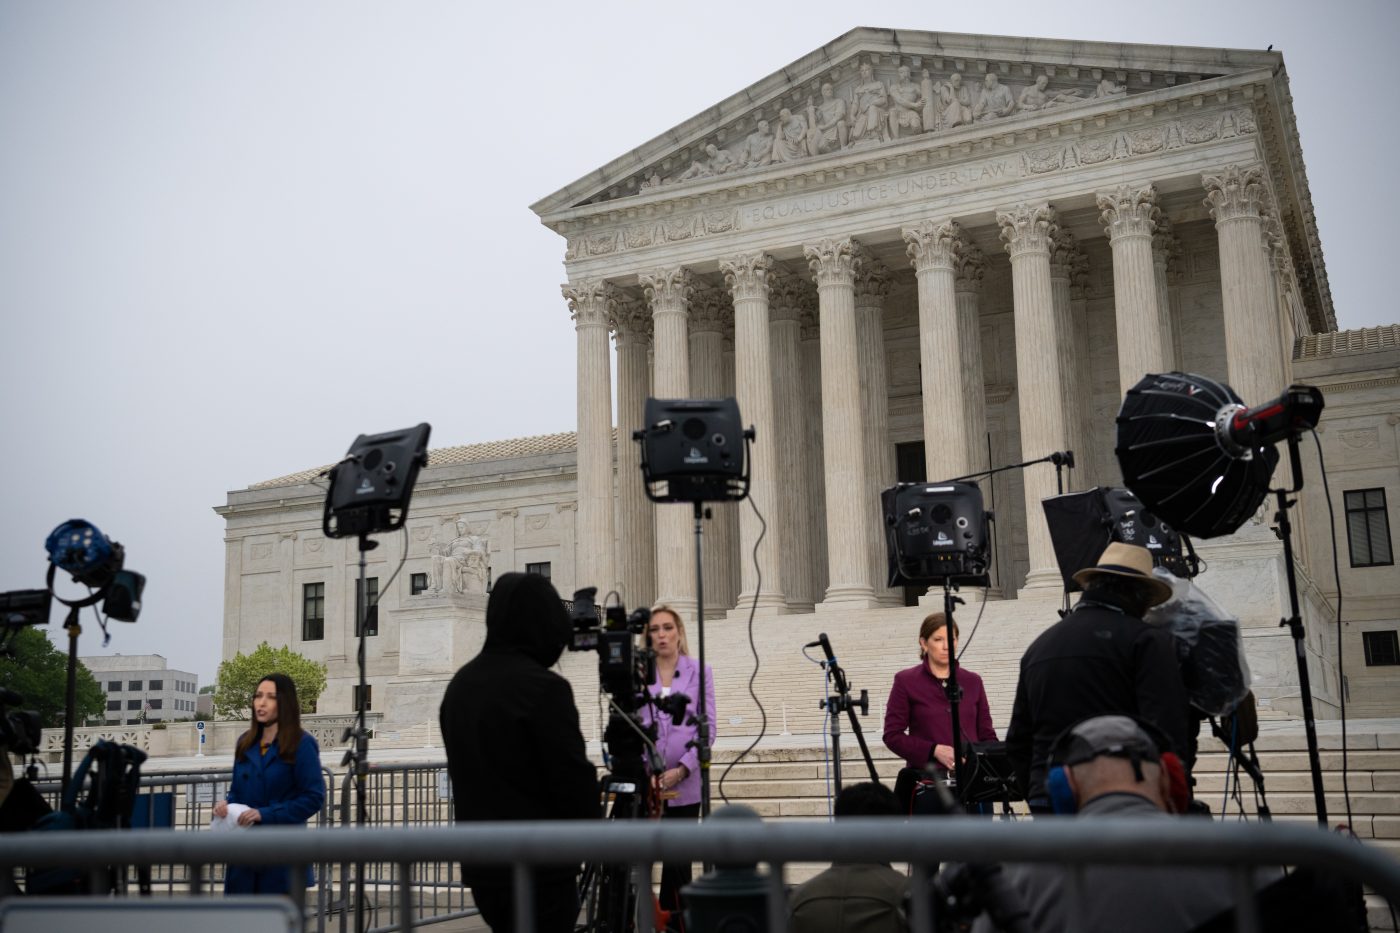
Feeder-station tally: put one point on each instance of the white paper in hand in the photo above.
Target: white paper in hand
(230, 821)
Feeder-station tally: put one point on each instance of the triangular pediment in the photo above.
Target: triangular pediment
(873, 88)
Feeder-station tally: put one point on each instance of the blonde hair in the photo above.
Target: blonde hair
(680, 625)
(932, 623)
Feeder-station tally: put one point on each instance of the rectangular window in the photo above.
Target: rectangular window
(1382, 648)
(313, 612)
(114, 705)
(133, 685)
(133, 704)
(133, 722)
(1368, 528)
(114, 686)
(540, 569)
(372, 618)
(157, 685)
(417, 583)
(156, 704)
(368, 697)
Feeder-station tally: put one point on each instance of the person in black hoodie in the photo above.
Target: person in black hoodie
(1098, 660)
(514, 749)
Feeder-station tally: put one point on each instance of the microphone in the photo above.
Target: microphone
(1063, 458)
(825, 644)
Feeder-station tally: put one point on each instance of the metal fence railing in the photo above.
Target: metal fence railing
(1234, 848)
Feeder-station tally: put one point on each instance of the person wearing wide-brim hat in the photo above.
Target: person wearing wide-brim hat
(1100, 659)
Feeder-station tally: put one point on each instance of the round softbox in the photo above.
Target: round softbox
(1172, 459)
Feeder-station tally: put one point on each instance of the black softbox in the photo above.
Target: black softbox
(1083, 523)
(936, 533)
(371, 488)
(694, 450)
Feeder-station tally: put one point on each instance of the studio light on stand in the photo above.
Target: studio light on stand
(1200, 459)
(1082, 524)
(696, 451)
(936, 533)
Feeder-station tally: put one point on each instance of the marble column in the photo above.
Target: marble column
(933, 248)
(967, 287)
(1129, 215)
(1236, 197)
(872, 285)
(834, 263)
(1074, 383)
(636, 520)
(1085, 456)
(813, 454)
(747, 278)
(709, 313)
(669, 291)
(794, 471)
(726, 514)
(1027, 231)
(592, 304)
(1165, 249)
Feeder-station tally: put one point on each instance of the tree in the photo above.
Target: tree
(239, 676)
(38, 672)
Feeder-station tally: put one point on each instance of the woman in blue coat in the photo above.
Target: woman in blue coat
(277, 775)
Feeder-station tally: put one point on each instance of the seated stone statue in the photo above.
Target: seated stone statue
(829, 128)
(790, 144)
(994, 101)
(758, 147)
(906, 105)
(956, 103)
(868, 100)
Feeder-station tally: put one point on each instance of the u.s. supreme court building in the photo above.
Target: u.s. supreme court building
(910, 256)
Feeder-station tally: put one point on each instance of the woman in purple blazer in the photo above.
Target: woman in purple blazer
(677, 672)
(919, 718)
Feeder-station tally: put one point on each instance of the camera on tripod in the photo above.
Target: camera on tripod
(625, 665)
(20, 729)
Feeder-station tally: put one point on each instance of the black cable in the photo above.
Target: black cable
(753, 608)
(1341, 653)
(393, 576)
(976, 622)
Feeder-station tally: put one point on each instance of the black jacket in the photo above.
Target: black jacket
(1095, 661)
(514, 749)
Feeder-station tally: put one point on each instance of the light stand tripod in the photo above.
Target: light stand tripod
(842, 703)
(954, 688)
(702, 711)
(357, 755)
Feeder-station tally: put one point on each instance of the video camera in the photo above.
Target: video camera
(625, 667)
(20, 729)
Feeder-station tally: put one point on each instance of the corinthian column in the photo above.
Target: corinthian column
(636, 522)
(668, 292)
(872, 285)
(592, 304)
(1129, 218)
(1165, 247)
(1063, 252)
(1027, 232)
(1080, 418)
(967, 286)
(709, 313)
(934, 248)
(747, 277)
(813, 521)
(787, 298)
(834, 263)
(1236, 198)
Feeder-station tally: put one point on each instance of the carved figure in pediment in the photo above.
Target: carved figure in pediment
(791, 143)
(652, 182)
(868, 101)
(906, 106)
(719, 162)
(1037, 97)
(994, 101)
(1107, 88)
(928, 90)
(758, 147)
(955, 101)
(829, 127)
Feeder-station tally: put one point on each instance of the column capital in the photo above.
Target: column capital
(1236, 192)
(1129, 210)
(872, 281)
(834, 261)
(630, 320)
(591, 302)
(747, 275)
(1063, 249)
(933, 244)
(668, 289)
(790, 296)
(969, 268)
(710, 310)
(1028, 228)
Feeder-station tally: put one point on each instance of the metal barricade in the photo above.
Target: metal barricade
(1234, 848)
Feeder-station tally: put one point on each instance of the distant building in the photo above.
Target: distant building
(143, 683)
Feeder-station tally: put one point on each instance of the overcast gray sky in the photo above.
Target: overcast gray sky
(235, 235)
